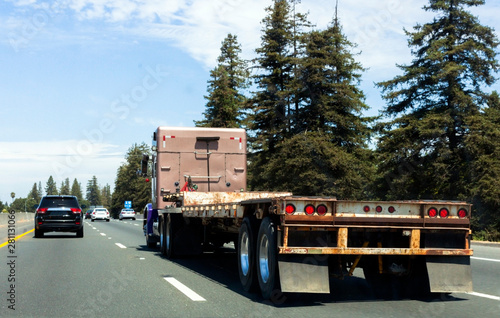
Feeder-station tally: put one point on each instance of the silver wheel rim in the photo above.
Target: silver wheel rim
(264, 259)
(245, 265)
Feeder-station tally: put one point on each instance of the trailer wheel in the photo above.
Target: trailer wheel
(163, 248)
(267, 258)
(168, 238)
(246, 255)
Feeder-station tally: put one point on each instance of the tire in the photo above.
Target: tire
(245, 248)
(107, 220)
(163, 241)
(171, 227)
(38, 233)
(267, 258)
(79, 233)
(92, 220)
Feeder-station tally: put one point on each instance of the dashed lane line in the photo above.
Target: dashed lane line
(184, 289)
(120, 245)
(103, 234)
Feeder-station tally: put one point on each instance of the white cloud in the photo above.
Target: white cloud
(29, 162)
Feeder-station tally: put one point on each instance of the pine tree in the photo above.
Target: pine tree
(483, 145)
(422, 151)
(93, 193)
(51, 187)
(76, 190)
(64, 189)
(225, 100)
(128, 185)
(272, 111)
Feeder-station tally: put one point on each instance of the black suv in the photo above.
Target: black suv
(58, 213)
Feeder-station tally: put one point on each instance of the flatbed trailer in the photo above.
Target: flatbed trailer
(290, 243)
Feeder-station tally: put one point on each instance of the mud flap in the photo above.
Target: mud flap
(304, 274)
(448, 274)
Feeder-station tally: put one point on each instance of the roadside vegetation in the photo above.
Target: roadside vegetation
(437, 137)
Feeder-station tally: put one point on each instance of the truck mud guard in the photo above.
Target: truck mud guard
(303, 274)
(449, 274)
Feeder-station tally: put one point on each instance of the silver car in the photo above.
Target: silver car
(99, 214)
(127, 214)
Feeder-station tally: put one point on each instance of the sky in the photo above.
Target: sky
(82, 81)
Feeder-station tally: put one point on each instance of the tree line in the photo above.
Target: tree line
(94, 194)
(437, 137)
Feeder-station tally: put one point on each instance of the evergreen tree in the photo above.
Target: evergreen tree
(422, 151)
(483, 145)
(106, 195)
(35, 193)
(93, 193)
(273, 108)
(64, 190)
(225, 100)
(51, 187)
(40, 189)
(76, 190)
(128, 185)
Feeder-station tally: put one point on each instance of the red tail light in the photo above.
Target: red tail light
(290, 209)
(378, 209)
(462, 213)
(366, 208)
(432, 212)
(41, 210)
(309, 209)
(444, 213)
(75, 210)
(391, 209)
(322, 209)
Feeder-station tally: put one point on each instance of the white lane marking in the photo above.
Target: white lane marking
(184, 289)
(103, 234)
(109, 238)
(120, 245)
(484, 295)
(486, 259)
(136, 224)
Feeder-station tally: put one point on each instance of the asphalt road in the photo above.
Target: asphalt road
(111, 273)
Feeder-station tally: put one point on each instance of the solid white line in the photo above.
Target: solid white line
(120, 245)
(184, 289)
(484, 295)
(486, 259)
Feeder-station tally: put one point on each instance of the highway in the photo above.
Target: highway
(111, 273)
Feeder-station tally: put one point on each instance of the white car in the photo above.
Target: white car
(127, 214)
(99, 214)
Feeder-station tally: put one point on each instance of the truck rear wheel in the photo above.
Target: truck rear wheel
(267, 258)
(246, 255)
(168, 239)
(163, 228)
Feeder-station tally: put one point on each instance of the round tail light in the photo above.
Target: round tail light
(309, 209)
(366, 208)
(322, 209)
(443, 213)
(432, 212)
(290, 209)
(378, 209)
(462, 213)
(391, 209)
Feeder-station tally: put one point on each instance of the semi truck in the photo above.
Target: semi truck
(288, 243)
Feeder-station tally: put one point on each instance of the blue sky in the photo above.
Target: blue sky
(81, 81)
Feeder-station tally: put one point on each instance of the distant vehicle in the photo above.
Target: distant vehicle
(88, 213)
(127, 214)
(58, 213)
(99, 214)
